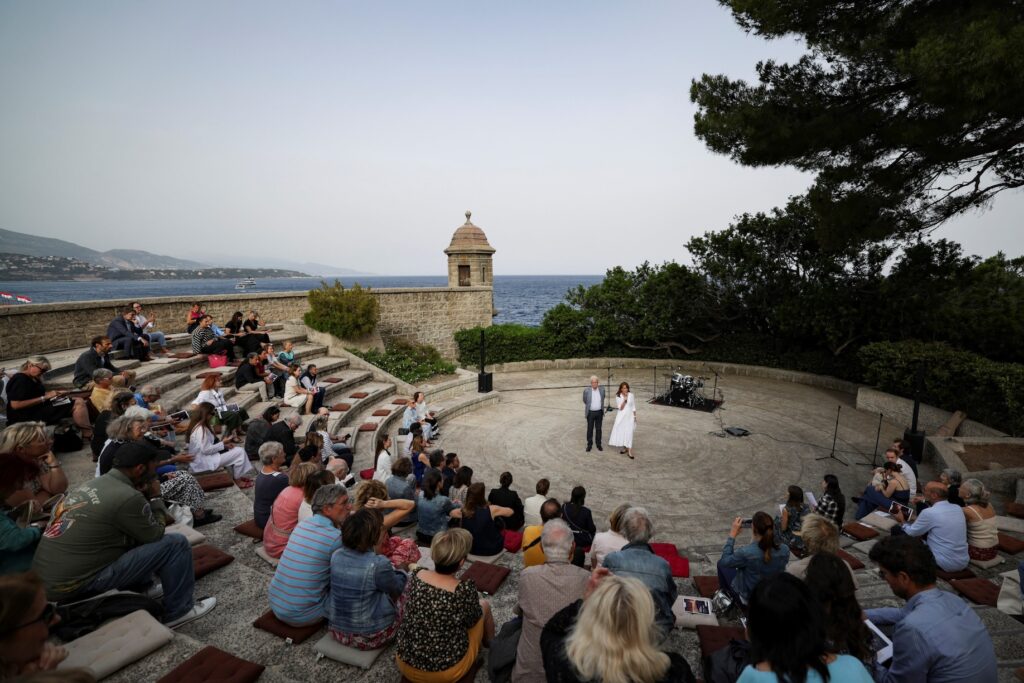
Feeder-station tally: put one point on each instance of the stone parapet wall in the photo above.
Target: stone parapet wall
(424, 315)
(901, 411)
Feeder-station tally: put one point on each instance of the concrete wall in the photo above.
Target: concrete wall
(946, 453)
(423, 315)
(901, 411)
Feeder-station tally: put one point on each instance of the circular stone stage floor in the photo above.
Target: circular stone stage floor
(691, 477)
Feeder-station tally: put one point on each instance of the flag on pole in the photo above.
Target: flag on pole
(23, 299)
(6, 295)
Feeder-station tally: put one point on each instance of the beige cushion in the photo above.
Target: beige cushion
(272, 561)
(686, 619)
(865, 546)
(332, 649)
(117, 644)
(490, 559)
(879, 521)
(985, 564)
(194, 537)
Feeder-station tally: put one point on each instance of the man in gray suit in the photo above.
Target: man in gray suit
(593, 409)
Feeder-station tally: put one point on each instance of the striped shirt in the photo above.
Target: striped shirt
(299, 589)
(200, 337)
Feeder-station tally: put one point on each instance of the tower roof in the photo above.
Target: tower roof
(469, 239)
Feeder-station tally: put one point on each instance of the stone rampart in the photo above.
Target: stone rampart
(424, 315)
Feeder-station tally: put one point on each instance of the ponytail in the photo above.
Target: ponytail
(764, 527)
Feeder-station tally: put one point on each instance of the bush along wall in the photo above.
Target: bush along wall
(410, 363)
(346, 313)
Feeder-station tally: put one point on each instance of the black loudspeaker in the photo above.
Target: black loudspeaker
(485, 382)
(916, 441)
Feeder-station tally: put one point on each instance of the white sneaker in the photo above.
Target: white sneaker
(156, 591)
(200, 609)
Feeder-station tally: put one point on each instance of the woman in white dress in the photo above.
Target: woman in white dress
(296, 395)
(210, 454)
(625, 421)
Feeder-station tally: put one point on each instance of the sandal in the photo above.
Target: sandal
(630, 456)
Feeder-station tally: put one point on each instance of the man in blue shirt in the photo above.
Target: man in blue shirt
(946, 528)
(937, 637)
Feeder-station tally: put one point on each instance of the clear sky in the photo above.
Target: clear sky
(357, 134)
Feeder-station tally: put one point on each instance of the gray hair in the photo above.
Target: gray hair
(974, 492)
(270, 450)
(293, 420)
(556, 540)
(120, 428)
(149, 390)
(594, 378)
(40, 361)
(100, 374)
(954, 476)
(327, 494)
(318, 424)
(637, 526)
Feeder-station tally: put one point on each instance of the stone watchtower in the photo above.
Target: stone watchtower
(469, 258)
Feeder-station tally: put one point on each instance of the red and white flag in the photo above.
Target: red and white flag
(23, 299)
(6, 295)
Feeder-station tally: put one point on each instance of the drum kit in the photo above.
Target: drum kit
(686, 391)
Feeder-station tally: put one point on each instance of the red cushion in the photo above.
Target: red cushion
(679, 565)
(271, 624)
(368, 427)
(401, 402)
(358, 394)
(707, 586)
(487, 577)
(367, 473)
(513, 540)
(331, 380)
(854, 563)
(468, 678)
(341, 407)
(250, 529)
(979, 591)
(215, 480)
(949, 576)
(211, 665)
(206, 558)
(1015, 510)
(381, 413)
(859, 531)
(1009, 544)
(714, 638)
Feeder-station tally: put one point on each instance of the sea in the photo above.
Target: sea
(519, 299)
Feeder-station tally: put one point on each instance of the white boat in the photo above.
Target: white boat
(247, 283)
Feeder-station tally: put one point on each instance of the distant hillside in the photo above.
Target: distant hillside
(135, 259)
(23, 267)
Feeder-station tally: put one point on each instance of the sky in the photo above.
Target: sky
(358, 134)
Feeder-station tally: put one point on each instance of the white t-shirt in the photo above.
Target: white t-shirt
(211, 396)
(908, 474)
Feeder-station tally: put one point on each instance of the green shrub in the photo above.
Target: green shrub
(345, 313)
(989, 392)
(408, 362)
(505, 344)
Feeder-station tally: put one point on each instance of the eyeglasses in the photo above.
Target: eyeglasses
(47, 615)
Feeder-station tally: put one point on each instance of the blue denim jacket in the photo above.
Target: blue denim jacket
(637, 560)
(750, 566)
(433, 513)
(361, 588)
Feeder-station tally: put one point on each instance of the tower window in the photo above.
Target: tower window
(463, 276)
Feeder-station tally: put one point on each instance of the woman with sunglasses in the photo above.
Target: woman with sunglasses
(25, 621)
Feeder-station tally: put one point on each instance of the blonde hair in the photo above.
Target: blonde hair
(367, 490)
(615, 519)
(819, 534)
(449, 547)
(41, 362)
(300, 473)
(614, 638)
(20, 435)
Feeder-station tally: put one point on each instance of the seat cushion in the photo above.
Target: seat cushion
(714, 638)
(358, 394)
(1009, 544)
(293, 634)
(117, 644)
(400, 402)
(987, 564)
(206, 558)
(854, 563)
(194, 537)
(978, 591)
(368, 427)
(468, 678)
(382, 412)
(332, 649)
(949, 576)
(487, 577)
(880, 520)
(707, 586)
(513, 540)
(1015, 510)
(331, 380)
(265, 556)
(679, 565)
(341, 407)
(211, 665)
(865, 546)
(250, 529)
(859, 531)
(215, 480)
(690, 619)
(489, 559)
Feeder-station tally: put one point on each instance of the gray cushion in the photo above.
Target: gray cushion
(332, 649)
(117, 644)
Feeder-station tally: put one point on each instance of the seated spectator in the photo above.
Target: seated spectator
(832, 504)
(314, 482)
(436, 462)
(581, 521)
(339, 468)
(937, 636)
(480, 520)
(17, 543)
(787, 633)
(310, 450)
(382, 460)
(125, 336)
(982, 534)
(506, 497)
(411, 417)
(610, 635)
(257, 431)
(904, 453)
(366, 590)
(374, 495)
(533, 551)
(271, 480)
(833, 586)
(445, 623)
(253, 323)
(206, 341)
(945, 526)
(329, 448)
(900, 455)
(247, 377)
(98, 356)
(29, 441)
(147, 324)
(287, 355)
(240, 336)
(210, 454)
(531, 506)
(210, 392)
(952, 479)
(104, 535)
(308, 380)
(451, 466)
(283, 432)
(300, 589)
(29, 401)
(461, 483)
(636, 559)
(119, 404)
(402, 485)
(195, 317)
(787, 524)
(887, 486)
(820, 536)
(433, 509)
(544, 590)
(102, 392)
(606, 542)
(284, 512)
(425, 414)
(740, 570)
(273, 367)
(25, 622)
(415, 432)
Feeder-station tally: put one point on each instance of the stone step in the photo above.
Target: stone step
(352, 380)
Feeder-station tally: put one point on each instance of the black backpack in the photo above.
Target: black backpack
(80, 618)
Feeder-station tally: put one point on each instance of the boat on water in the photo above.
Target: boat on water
(247, 283)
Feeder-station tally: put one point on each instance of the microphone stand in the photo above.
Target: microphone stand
(607, 390)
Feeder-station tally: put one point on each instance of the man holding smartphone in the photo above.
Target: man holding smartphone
(945, 526)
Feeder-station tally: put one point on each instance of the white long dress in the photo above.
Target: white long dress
(622, 430)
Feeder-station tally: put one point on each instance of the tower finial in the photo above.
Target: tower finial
(468, 214)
